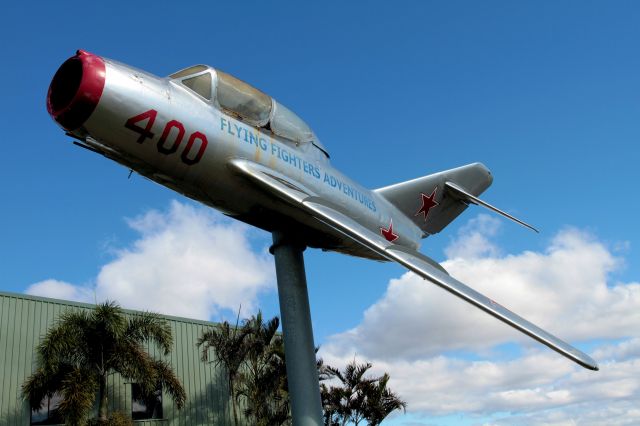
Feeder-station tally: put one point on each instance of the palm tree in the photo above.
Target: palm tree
(331, 396)
(263, 380)
(381, 401)
(353, 399)
(230, 351)
(77, 355)
(359, 398)
(332, 406)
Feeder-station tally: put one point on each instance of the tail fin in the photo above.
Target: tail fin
(429, 201)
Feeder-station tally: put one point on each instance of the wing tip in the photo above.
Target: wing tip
(590, 365)
(583, 359)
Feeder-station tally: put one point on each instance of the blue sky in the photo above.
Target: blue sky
(545, 94)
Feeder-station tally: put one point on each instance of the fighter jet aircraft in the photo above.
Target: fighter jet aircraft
(220, 141)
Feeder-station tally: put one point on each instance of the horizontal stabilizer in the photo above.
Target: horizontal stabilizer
(461, 193)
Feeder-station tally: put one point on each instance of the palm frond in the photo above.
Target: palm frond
(133, 363)
(65, 342)
(149, 327)
(109, 318)
(228, 344)
(78, 390)
(37, 387)
(170, 382)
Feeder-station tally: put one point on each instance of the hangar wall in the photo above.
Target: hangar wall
(24, 320)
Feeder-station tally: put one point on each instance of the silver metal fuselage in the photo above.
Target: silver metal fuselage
(129, 92)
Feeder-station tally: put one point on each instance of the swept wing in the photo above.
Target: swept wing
(322, 210)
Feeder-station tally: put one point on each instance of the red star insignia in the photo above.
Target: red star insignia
(388, 233)
(428, 202)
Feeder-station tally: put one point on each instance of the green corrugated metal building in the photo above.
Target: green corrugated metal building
(24, 320)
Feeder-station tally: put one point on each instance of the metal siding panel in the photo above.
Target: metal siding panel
(180, 371)
(196, 391)
(172, 412)
(6, 359)
(167, 405)
(168, 408)
(15, 355)
(152, 349)
(4, 330)
(124, 404)
(213, 387)
(12, 410)
(127, 408)
(110, 393)
(6, 354)
(193, 373)
(208, 400)
(185, 370)
(44, 320)
(199, 370)
(41, 327)
(21, 372)
(201, 397)
(8, 351)
(33, 336)
(175, 363)
(193, 387)
(204, 374)
(118, 394)
(30, 339)
(209, 384)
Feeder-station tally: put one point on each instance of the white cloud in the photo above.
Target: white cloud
(187, 261)
(473, 239)
(60, 290)
(564, 290)
(445, 358)
(625, 350)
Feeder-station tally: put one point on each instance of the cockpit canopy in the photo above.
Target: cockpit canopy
(247, 103)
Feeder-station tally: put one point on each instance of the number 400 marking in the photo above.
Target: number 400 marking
(169, 141)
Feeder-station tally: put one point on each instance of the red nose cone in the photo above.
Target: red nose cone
(76, 89)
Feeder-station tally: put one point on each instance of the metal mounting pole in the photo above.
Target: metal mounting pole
(302, 374)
